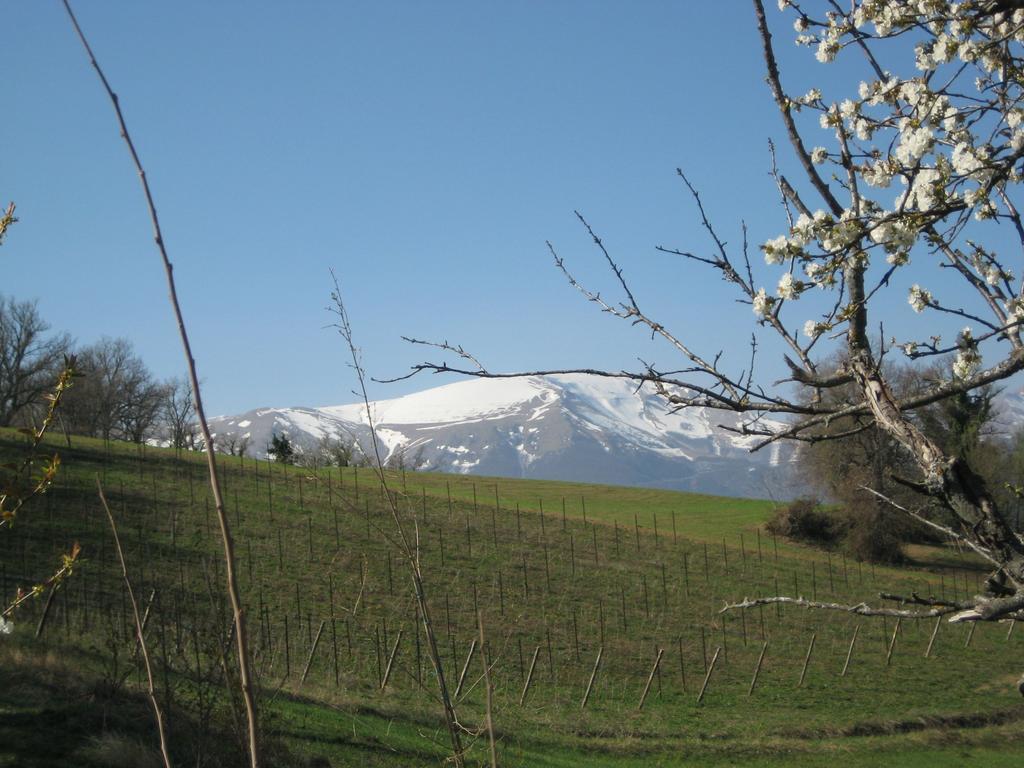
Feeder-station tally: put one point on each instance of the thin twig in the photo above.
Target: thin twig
(408, 550)
(234, 593)
(139, 634)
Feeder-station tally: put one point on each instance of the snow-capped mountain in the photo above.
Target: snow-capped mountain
(565, 427)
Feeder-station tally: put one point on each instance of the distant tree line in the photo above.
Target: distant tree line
(330, 451)
(116, 396)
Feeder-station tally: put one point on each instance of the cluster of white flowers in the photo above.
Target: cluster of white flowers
(942, 50)
(879, 174)
(763, 303)
(819, 274)
(914, 142)
(919, 298)
(879, 91)
(1015, 308)
(828, 46)
(804, 231)
(885, 15)
(896, 234)
(949, 148)
(789, 288)
(927, 191)
(813, 329)
(968, 359)
(777, 250)
(847, 231)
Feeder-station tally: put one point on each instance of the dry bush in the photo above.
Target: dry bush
(806, 520)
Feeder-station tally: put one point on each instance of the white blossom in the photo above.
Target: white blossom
(919, 298)
(964, 159)
(763, 303)
(813, 329)
(968, 359)
(775, 250)
(878, 175)
(914, 143)
(788, 288)
(827, 50)
(926, 192)
(1015, 308)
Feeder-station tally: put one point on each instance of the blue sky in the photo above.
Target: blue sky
(425, 151)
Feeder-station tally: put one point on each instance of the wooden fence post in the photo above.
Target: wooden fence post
(849, 653)
(807, 659)
(650, 678)
(312, 650)
(529, 676)
(757, 669)
(391, 661)
(465, 668)
(593, 676)
(892, 643)
(707, 676)
(931, 640)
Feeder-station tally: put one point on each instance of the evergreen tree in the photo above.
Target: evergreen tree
(281, 449)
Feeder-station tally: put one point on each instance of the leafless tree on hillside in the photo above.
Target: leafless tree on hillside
(30, 358)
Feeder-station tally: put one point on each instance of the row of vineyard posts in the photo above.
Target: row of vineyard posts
(581, 612)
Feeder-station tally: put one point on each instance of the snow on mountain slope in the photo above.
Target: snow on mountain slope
(463, 401)
(569, 427)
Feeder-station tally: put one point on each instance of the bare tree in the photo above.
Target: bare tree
(338, 451)
(940, 111)
(232, 444)
(179, 414)
(30, 359)
(117, 396)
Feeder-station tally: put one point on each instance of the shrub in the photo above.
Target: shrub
(806, 520)
(876, 536)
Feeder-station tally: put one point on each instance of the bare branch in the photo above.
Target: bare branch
(946, 530)
(861, 609)
(782, 101)
(234, 593)
(158, 714)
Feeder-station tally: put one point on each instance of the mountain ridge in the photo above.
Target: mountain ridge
(558, 427)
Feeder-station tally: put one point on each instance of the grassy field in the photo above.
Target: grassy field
(625, 571)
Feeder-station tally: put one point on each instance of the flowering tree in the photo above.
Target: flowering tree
(927, 163)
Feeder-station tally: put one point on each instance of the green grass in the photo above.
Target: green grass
(310, 550)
